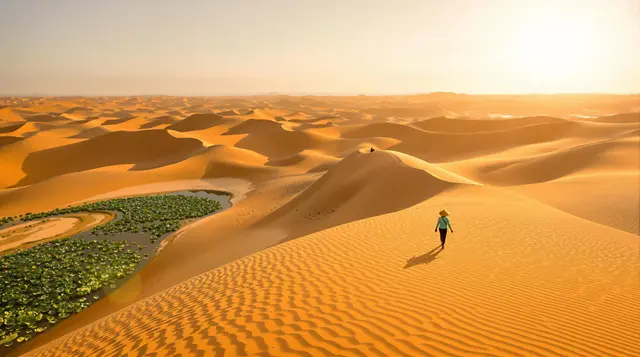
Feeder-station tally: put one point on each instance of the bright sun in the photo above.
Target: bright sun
(553, 53)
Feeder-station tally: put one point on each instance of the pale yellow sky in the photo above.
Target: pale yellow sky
(324, 47)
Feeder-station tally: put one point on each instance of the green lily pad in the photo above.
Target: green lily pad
(9, 338)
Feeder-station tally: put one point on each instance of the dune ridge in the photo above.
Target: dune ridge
(351, 189)
(196, 122)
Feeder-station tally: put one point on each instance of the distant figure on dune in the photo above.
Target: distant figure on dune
(372, 150)
(442, 224)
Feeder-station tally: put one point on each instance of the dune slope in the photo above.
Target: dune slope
(361, 185)
(379, 286)
(196, 122)
(155, 146)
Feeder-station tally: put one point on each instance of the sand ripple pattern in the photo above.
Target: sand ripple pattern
(542, 284)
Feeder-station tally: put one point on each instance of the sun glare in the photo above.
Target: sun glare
(554, 53)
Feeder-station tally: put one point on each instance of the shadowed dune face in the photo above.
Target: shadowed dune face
(157, 147)
(166, 119)
(9, 127)
(5, 140)
(45, 118)
(196, 122)
(329, 246)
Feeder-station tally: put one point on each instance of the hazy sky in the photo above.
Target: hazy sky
(214, 47)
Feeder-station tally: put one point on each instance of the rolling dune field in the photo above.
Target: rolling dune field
(329, 247)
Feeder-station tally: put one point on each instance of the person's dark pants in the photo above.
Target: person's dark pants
(443, 235)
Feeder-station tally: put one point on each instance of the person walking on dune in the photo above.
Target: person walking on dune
(442, 224)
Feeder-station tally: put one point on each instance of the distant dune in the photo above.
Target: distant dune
(196, 122)
(106, 150)
(459, 125)
(166, 119)
(45, 118)
(9, 127)
(329, 248)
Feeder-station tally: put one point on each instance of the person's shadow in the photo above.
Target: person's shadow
(426, 258)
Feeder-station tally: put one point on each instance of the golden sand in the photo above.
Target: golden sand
(329, 248)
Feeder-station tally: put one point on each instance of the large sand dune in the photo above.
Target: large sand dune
(196, 122)
(379, 286)
(10, 127)
(114, 148)
(329, 247)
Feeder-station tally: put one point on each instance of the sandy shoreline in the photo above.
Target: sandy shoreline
(28, 234)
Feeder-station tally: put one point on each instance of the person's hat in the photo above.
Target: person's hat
(444, 213)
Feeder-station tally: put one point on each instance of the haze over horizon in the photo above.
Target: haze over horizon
(340, 48)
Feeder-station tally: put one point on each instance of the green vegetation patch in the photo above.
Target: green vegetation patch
(53, 280)
(5, 220)
(155, 215)
(50, 281)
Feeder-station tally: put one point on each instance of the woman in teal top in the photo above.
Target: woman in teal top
(442, 224)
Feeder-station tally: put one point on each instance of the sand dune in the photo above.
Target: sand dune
(91, 133)
(352, 190)
(115, 121)
(126, 124)
(26, 129)
(297, 116)
(329, 248)
(77, 185)
(323, 119)
(614, 155)
(432, 169)
(442, 147)
(228, 113)
(307, 161)
(604, 198)
(196, 122)
(5, 140)
(233, 154)
(376, 286)
(459, 125)
(155, 147)
(254, 126)
(45, 118)
(633, 118)
(120, 114)
(414, 112)
(163, 120)
(280, 143)
(87, 120)
(225, 161)
(212, 136)
(14, 154)
(240, 112)
(7, 114)
(10, 126)
(80, 110)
